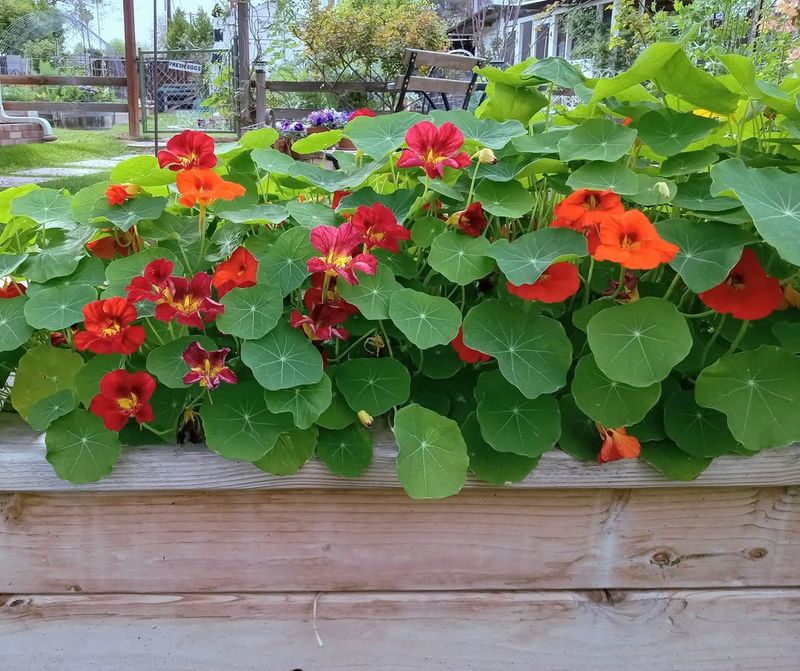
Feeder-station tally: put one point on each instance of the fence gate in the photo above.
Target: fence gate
(188, 89)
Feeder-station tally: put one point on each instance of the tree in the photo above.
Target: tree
(179, 31)
(201, 33)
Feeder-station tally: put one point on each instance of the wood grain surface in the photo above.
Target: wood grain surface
(351, 540)
(23, 468)
(723, 630)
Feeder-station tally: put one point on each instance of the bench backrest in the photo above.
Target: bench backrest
(426, 73)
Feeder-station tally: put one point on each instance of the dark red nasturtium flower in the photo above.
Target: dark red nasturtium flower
(747, 293)
(467, 354)
(187, 150)
(556, 284)
(116, 194)
(123, 396)
(379, 227)
(108, 328)
(207, 369)
(238, 272)
(150, 285)
(433, 149)
(585, 210)
(338, 247)
(313, 295)
(116, 243)
(471, 221)
(188, 302)
(324, 320)
(337, 197)
(617, 444)
(11, 289)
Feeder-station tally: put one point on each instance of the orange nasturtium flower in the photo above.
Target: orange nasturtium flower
(585, 210)
(633, 242)
(116, 194)
(238, 272)
(557, 283)
(204, 186)
(617, 444)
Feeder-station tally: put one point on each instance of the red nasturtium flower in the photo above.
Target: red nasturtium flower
(116, 243)
(11, 290)
(472, 220)
(338, 246)
(747, 293)
(323, 322)
(238, 272)
(150, 285)
(633, 242)
(108, 328)
(204, 187)
(337, 197)
(556, 284)
(313, 295)
(363, 111)
(116, 194)
(585, 210)
(617, 444)
(433, 149)
(467, 354)
(379, 227)
(188, 302)
(188, 150)
(206, 368)
(123, 396)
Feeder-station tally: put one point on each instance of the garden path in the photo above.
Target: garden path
(77, 169)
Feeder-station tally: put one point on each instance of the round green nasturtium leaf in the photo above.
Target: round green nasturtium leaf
(14, 330)
(48, 207)
(512, 423)
(788, 335)
(58, 307)
(10, 262)
(142, 170)
(347, 452)
(168, 406)
(579, 435)
(611, 403)
(695, 194)
(540, 143)
(461, 258)
(126, 215)
(310, 214)
(338, 415)
(701, 432)
(90, 272)
(441, 363)
(596, 140)
(582, 316)
(688, 163)
(315, 142)
(488, 132)
(533, 352)
(605, 176)
(252, 312)
(166, 362)
(380, 135)
(489, 465)
(708, 250)
(80, 449)
(431, 394)
(504, 199)
(425, 320)
(283, 264)
(374, 385)
(87, 379)
(292, 449)
(667, 458)
(45, 411)
(41, 372)
(432, 456)
(306, 402)
(639, 343)
(759, 393)
(667, 132)
(237, 423)
(283, 358)
(425, 230)
(255, 214)
(525, 259)
(372, 293)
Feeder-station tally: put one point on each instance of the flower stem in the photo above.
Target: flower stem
(586, 293)
(201, 229)
(672, 285)
(386, 338)
(472, 183)
(739, 335)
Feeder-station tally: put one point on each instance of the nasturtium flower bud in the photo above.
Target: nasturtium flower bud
(365, 418)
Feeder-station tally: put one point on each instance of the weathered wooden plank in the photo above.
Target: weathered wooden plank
(42, 106)
(23, 468)
(381, 540)
(725, 630)
(437, 85)
(284, 86)
(48, 80)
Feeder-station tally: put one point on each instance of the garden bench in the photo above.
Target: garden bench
(452, 93)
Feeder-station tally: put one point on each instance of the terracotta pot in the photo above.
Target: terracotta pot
(284, 145)
(316, 129)
(346, 144)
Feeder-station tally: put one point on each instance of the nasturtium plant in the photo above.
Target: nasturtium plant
(618, 279)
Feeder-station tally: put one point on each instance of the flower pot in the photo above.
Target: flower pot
(616, 556)
(346, 144)
(284, 145)
(310, 130)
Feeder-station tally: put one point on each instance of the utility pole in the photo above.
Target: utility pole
(169, 12)
(243, 71)
(131, 72)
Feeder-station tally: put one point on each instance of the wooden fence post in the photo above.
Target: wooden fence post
(261, 93)
(131, 72)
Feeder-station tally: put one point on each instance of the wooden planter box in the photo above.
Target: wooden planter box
(184, 561)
